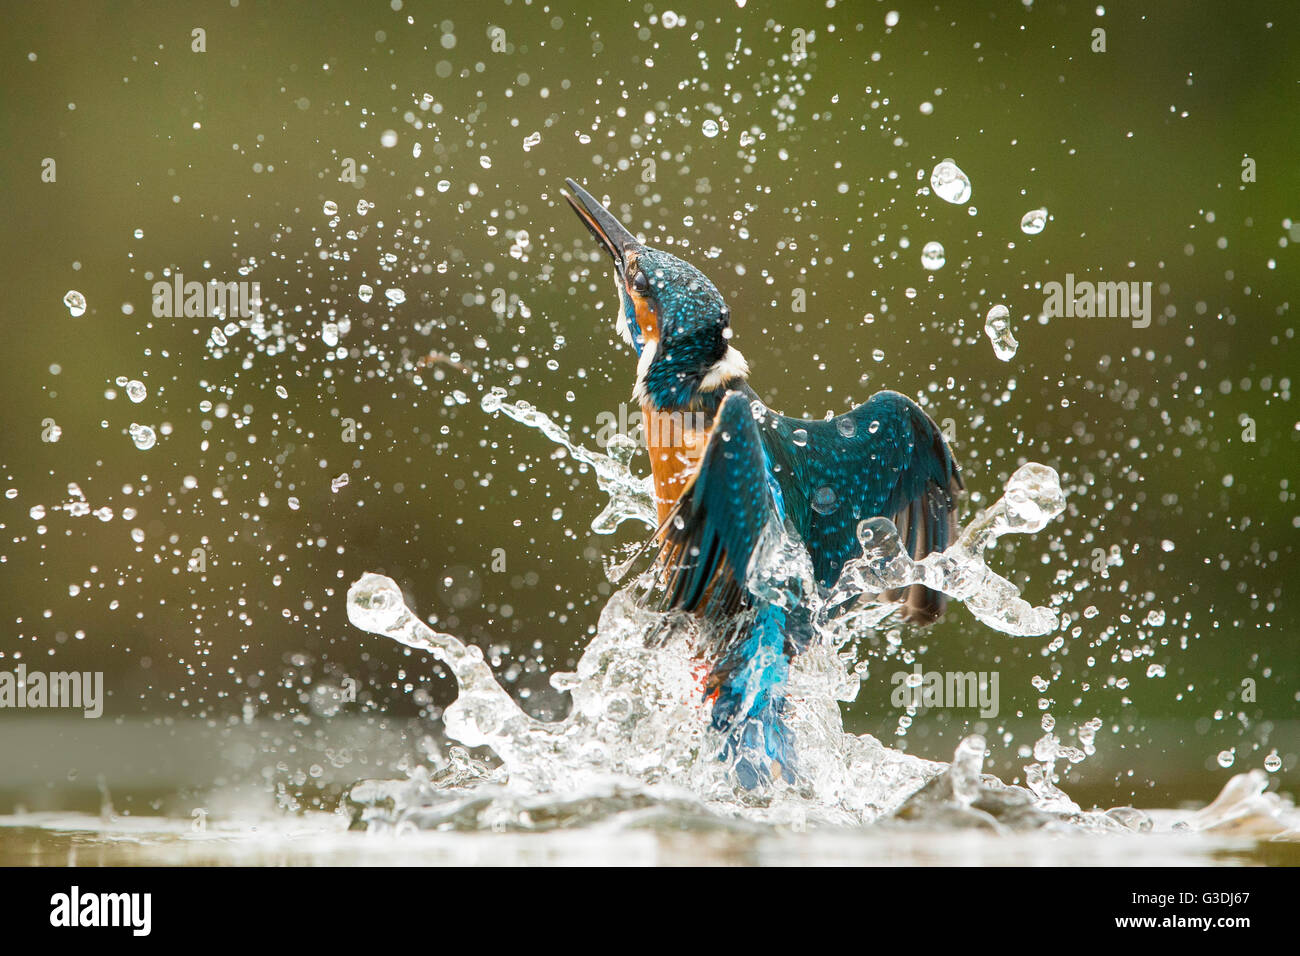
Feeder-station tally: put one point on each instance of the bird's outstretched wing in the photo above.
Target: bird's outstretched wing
(710, 537)
(707, 545)
(885, 458)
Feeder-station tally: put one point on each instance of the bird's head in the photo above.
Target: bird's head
(669, 311)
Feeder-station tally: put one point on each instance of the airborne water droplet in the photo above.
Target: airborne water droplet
(365, 292)
(997, 326)
(709, 128)
(395, 296)
(143, 436)
(330, 208)
(932, 256)
(825, 500)
(1032, 222)
(76, 303)
(950, 183)
(846, 426)
(800, 436)
(136, 391)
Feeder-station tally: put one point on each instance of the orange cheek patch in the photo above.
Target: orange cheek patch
(646, 320)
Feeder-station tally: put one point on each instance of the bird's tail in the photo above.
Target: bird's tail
(748, 684)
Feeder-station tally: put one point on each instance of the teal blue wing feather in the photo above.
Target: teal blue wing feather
(885, 458)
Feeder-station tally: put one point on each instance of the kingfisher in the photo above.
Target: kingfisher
(727, 470)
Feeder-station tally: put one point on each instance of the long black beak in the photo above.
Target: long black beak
(601, 222)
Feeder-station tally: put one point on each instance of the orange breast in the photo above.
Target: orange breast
(676, 443)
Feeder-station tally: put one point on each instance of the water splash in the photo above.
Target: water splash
(631, 498)
(638, 715)
(1032, 498)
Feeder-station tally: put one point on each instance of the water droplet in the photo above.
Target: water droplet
(363, 207)
(950, 183)
(825, 500)
(485, 161)
(282, 391)
(846, 426)
(329, 334)
(800, 437)
(37, 512)
(709, 128)
(443, 185)
(932, 256)
(143, 436)
(1156, 670)
(997, 326)
(1227, 758)
(531, 140)
(1032, 222)
(878, 354)
(294, 504)
(136, 391)
(395, 295)
(337, 484)
(365, 292)
(330, 208)
(76, 303)
(388, 138)
(1273, 763)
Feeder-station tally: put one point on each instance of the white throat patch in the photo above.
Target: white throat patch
(731, 365)
(643, 369)
(621, 323)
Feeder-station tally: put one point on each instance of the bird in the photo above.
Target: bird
(727, 470)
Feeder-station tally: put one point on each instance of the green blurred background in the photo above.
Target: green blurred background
(224, 160)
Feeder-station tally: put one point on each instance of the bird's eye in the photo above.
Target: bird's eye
(640, 283)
